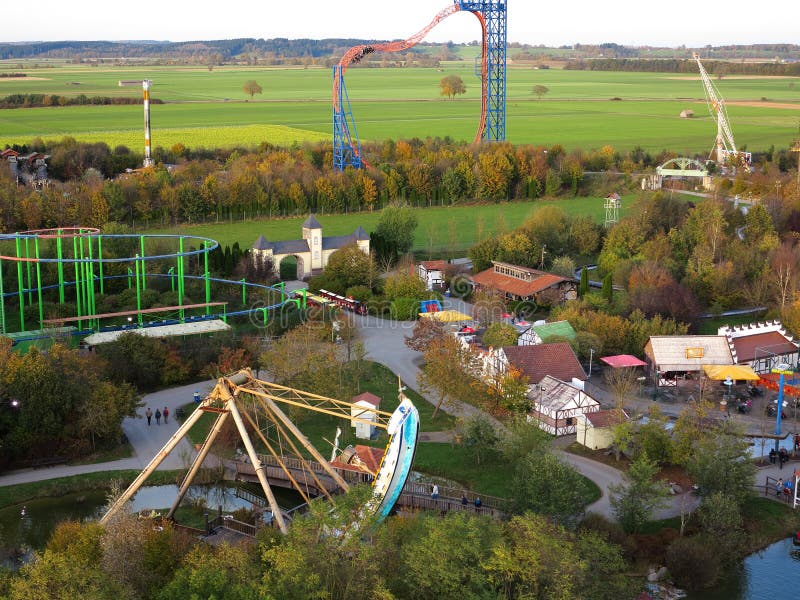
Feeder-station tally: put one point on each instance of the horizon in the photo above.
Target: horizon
(528, 24)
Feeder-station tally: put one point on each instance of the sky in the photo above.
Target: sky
(548, 22)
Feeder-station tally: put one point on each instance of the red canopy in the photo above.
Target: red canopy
(623, 360)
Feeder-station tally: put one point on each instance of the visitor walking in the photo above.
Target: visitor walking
(166, 414)
(149, 414)
(779, 487)
(464, 500)
(478, 503)
(783, 457)
(435, 492)
(158, 417)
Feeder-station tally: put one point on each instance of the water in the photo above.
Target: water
(772, 573)
(42, 515)
(755, 449)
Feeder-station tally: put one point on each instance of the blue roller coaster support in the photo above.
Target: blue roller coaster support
(494, 13)
(346, 145)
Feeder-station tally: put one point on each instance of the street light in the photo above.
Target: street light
(591, 354)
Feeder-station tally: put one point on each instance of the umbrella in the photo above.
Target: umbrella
(734, 372)
(506, 315)
(467, 329)
(447, 316)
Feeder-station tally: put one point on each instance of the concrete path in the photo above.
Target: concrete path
(146, 441)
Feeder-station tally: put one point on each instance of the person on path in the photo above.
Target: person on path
(779, 487)
(435, 492)
(158, 417)
(478, 503)
(782, 457)
(772, 455)
(149, 414)
(464, 500)
(166, 414)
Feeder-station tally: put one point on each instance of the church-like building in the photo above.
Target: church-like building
(312, 251)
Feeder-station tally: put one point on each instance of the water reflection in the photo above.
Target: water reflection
(771, 573)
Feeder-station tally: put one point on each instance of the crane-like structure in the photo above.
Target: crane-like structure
(724, 146)
(145, 83)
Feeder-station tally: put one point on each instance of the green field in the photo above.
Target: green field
(209, 108)
(433, 229)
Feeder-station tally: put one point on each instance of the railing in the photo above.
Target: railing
(771, 490)
(228, 522)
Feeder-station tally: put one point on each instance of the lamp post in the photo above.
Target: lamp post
(591, 354)
(782, 370)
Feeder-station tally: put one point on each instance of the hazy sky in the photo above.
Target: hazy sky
(549, 22)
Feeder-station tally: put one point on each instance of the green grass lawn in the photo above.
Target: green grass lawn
(433, 229)
(209, 108)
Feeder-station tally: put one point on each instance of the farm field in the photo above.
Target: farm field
(208, 108)
(433, 229)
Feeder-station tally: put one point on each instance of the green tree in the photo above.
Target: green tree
(220, 572)
(721, 463)
(583, 286)
(404, 285)
(540, 90)
(608, 288)
(480, 437)
(349, 266)
(451, 86)
(652, 439)
(396, 225)
(499, 335)
(633, 503)
(544, 484)
(251, 88)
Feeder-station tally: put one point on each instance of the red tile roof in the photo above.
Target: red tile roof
(367, 397)
(607, 418)
(370, 457)
(557, 360)
(434, 265)
(516, 287)
(762, 344)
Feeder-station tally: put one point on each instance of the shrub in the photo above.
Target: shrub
(405, 309)
(694, 562)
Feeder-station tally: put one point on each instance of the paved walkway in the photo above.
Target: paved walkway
(146, 441)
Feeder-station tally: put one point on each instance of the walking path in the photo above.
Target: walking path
(145, 441)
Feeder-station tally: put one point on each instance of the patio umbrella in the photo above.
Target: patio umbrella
(447, 316)
(506, 315)
(735, 372)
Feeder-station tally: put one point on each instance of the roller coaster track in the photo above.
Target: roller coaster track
(347, 149)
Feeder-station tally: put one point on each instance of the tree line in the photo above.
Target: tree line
(672, 65)
(37, 100)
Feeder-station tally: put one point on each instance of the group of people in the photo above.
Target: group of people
(158, 414)
(782, 456)
(784, 487)
(464, 499)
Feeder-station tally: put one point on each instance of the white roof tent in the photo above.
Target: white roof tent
(193, 328)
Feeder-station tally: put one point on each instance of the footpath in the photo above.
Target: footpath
(145, 441)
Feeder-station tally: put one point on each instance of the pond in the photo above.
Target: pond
(33, 528)
(772, 573)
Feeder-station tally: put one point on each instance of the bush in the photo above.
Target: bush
(405, 309)
(694, 562)
(359, 292)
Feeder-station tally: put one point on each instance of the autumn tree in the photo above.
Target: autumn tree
(426, 331)
(445, 372)
(499, 335)
(396, 225)
(451, 86)
(251, 88)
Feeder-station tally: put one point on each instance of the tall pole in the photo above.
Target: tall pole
(180, 279)
(148, 160)
(138, 294)
(208, 281)
(782, 371)
(39, 282)
(20, 288)
(60, 254)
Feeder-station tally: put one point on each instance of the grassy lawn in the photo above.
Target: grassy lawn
(209, 108)
(433, 233)
(318, 427)
(101, 480)
(711, 326)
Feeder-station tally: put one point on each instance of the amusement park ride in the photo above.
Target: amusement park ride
(492, 125)
(255, 405)
(724, 151)
(145, 83)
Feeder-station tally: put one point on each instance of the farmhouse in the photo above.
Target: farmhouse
(312, 251)
(537, 362)
(522, 283)
(432, 273)
(556, 405)
(363, 407)
(763, 346)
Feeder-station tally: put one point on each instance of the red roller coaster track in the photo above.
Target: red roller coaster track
(356, 53)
